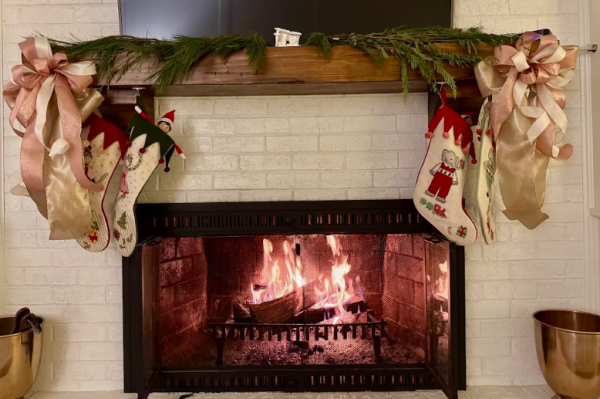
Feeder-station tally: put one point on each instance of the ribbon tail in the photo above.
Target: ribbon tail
(70, 120)
(501, 109)
(32, 160)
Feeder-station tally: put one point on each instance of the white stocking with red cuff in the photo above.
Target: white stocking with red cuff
(486, 170)
(438, 194)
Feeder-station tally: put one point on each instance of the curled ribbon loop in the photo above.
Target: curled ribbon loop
(526, 84)
(28, 96)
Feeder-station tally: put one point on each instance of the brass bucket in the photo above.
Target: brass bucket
(20, 356)
(568, 351)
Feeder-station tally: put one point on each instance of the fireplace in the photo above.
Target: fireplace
(292, 296)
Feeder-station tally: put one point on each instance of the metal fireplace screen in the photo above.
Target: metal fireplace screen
(275, 300)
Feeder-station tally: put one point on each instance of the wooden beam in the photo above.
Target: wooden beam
(287, 71)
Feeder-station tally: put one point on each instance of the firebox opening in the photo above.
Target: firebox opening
(343, 299)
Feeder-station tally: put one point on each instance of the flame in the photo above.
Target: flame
(276, 281)
(283, 275)
(441, 283)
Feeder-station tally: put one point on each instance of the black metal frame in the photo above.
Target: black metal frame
(306, 217)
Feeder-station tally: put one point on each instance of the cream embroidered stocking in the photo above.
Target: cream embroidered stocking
(104, 145)
(485, 175)
(438, 194)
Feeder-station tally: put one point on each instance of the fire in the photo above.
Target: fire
(285, 273)
(277, 281)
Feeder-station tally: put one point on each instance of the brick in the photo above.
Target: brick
(101, 351)
(97, 14)
(186, 182)
(238, 144)
(373, 193)
(61, 351)
(200, 163)
(321, 161)
(266, 195)
(369, 123)
(537, 270)
(98, 276)
(212, 196)
(50, 276)
(488, 347)
(76, 295)
(506, 327)
(161, 197)
(521, 308)
(345, 143)
(265, 162)
(372, 160)
(80, 370)
(47, 15)
(319, 195)
(76, 257)
(208, 127)
(14, 276)
(26, 257)
(79, 333)
(316, 124)
(262, 125)
(28, 295)
(412, 123)
(481, 8)
(292, 144)
(240, 180)
(241, 106)
(485, 309)
(398, 142)
(560, 250)
(347, 105)
(561, 289)
(85, 31)
(293, 106)
(114, 371)
(394, 178)
(393, 104)
(185, 106)
(191, 145)
(114, 333)
(346, 179)
(21, 220)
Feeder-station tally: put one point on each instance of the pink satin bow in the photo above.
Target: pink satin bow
(540, 64)
(28, 96)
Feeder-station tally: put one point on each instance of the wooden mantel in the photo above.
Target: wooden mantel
(288, 71)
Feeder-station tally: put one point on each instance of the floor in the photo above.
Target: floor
(538, 392)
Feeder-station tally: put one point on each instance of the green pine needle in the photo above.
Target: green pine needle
(414, 48)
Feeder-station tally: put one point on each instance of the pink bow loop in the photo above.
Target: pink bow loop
(28, 95)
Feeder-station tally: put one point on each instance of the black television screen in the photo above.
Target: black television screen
(163, 19)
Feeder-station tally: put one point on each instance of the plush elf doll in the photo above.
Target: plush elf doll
(150, 146)
(438, 194)
(104, 146)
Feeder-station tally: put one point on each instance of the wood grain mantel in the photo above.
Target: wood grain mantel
(289, 71)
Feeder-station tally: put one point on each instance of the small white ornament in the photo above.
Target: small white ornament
(286, 38)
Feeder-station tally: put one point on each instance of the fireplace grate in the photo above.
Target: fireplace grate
(408, 378)
(297, 333)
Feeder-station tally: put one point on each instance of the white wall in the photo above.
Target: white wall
(248, 159)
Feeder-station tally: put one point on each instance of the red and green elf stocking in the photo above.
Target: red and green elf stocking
(438, 194)
(150, 146)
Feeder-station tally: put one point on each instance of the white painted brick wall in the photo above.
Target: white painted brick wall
(295, 148)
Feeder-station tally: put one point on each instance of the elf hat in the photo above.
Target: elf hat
(169, 117)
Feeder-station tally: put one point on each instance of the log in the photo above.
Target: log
(283, 309)
(241, 313)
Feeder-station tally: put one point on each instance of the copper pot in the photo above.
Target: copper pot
(20, 356)
(568, 351)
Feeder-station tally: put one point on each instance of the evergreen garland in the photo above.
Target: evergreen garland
(414, 48)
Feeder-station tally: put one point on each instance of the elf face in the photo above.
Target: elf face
(164, 126)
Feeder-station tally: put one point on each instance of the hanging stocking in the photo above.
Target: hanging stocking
(104, 146)
(438, 194)
(485, 174)
(150, 146)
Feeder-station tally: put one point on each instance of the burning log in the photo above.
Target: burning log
(241, 313)
(283, 309)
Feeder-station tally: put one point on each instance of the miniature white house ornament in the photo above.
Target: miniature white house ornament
(286, 38)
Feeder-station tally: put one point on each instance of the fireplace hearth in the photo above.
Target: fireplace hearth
(292, 296)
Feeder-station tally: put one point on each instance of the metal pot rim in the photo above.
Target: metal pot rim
(535, 319)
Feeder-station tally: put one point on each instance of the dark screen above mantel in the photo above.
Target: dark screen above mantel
(164, 19)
